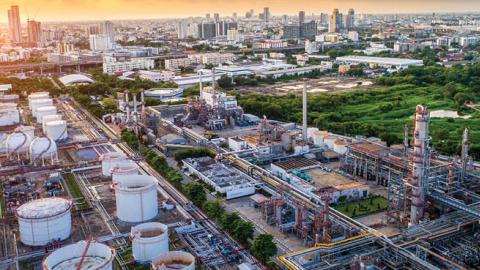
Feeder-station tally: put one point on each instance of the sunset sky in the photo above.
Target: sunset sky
(54, 10)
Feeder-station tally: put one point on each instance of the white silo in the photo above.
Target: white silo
(91, 254)
(123, 171)
(111, 160)
(9, 117)
(149, 240)
(174, 260)
(310, 132)
(43, 220)
(42, 148)
(57, 130)
(36, 96)
(44, 111)
(37, 103)
(318, 137)
(47, 118)
(136, 198)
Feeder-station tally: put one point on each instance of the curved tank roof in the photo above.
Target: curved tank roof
(75, 78)
(42, 208)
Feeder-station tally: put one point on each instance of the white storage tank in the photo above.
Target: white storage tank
(329, 141)
(57, 130)
(9, 117)
(43, 220)
(44, 111)
(47, 118)
(136, 198)
(97, 256)
(42, 148)
(18, 142)
(37, 103)
(123, 171)
(149, 240)
(36, 96)
(111, 160)
(310, 132)
(340, 147)
(318, 137)
(174, 260)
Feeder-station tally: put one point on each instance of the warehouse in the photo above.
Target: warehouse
(386, 62)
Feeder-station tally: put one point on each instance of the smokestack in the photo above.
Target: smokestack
(213, 78)
(201, 83)
(127, 106)
(406, 140)
(142, 99)
(128, 114)
(135, 113)
(304, 113)
(465, 144)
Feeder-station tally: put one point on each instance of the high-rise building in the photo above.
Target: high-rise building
(335, 23)
(291, 31)
(93, 30)
(107, 29)
(181, 29)
(34, 31)
(100, 43)
(216, 17)
(207, 16)
(301, 17)
(14, 25)
(308, 30)
(266, 14)
(232, 35)
(206, 30)
(234, 15)
(350, 19)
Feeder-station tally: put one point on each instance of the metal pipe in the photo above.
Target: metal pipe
(304, 112)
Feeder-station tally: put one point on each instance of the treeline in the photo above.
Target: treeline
(193, 153)
(30, 85)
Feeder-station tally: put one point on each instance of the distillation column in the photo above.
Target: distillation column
(304, 113)
(464, 154)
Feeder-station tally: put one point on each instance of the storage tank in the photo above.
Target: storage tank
(136, 198)
(36, 96)
(43, 111)
(329, 141)
(42, 148)
(123, 171)
(43, 220)
(113, 159)
(310, 132)
(174, 260)
(37, 103)
(18, 142)
(340, 147)
(318, 137)
(149, 240)
(93, 255)
(9, 117)
(9, 105)
(57, 130)
(47, 118)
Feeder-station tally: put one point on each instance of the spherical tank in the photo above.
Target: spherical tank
(37, 103)
(9, 116)
(43, 111)
(18, 142)
(136, 198)
(47, 118)
(111, 160)
(121, 171)
(174, 260)
(43, 148)
(57, 130)
(340, 147)
(329, 141)
(93, 255)
(149, 240)
(43, 220)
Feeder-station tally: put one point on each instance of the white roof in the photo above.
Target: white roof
(5, 87)
(75, 78)
(379, 60)
(43, 208)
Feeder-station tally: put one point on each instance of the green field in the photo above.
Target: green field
(75, 191)
(363, 207)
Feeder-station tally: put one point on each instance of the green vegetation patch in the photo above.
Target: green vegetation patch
(370, 205)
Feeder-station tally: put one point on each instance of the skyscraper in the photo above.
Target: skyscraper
(14, 25)
(301, 17)
(335, 21)
(216, 17)
(34, 33)
(350, 19)
(266, 14)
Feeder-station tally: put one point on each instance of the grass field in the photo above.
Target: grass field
(363, 207)
(75, 191)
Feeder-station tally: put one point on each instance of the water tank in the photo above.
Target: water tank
(318, 137)
(136, 198)
(43, 111)
(178, 260)
(113, 159)
(18, 142)
(37, 103)
(47, 118)
(123, 171)
(42, 148)
(96, 256)
(329, 141)
(9, 117)
(43, 220)
(340, 147)
(57, 130)
(149, 240)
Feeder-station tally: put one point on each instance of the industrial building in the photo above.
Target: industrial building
(386, 62)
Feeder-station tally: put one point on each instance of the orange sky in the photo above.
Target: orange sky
(54, 10)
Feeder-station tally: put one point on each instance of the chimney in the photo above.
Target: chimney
(405, 140)
(213, 78)
(135, 113)
(142, 99)
(464, 153)
(128, 114)
(304, 112)
(200, 73)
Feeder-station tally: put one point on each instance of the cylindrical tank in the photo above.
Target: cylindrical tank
(57, 130)
(43, 148)
(9, 117)
(340, 147)
(36, 96)
(18, 142)
(136, 198)
(47, 118)
(43, 111)
(113, 159)
(318, 137)
(37, 103)
(178, 260)
(121, 171)
(329, 141)
(93, 255)
(310, 132)
(149, 240)
(9, 105)
(43, 220)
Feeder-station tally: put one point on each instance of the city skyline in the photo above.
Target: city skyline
(61, 10)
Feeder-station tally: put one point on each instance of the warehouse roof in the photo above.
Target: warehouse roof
(68, 80)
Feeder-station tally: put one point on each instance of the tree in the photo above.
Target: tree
(213, 209)
(110, 105)
(225, 82)
(263, 247)
(195, 193)
(229, 221)
(243, 231)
